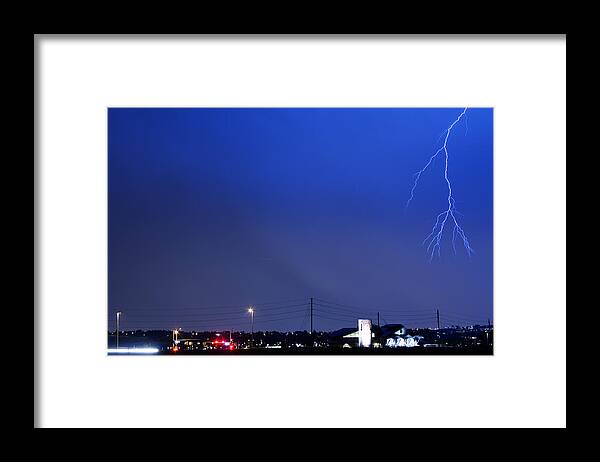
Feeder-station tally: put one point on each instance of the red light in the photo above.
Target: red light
(231, 347)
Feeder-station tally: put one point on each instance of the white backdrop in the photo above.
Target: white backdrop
(523, 384)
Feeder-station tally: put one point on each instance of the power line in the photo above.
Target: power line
(304, 319)
(267, 312)
(372, 311)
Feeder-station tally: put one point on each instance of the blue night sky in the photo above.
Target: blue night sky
(211, 210)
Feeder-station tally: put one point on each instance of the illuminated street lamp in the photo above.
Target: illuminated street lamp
(118, 319)
(176, 338)
(251, 311)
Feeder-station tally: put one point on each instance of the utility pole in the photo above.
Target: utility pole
(438, 318)
(311, 316)
(118, 319)
(378, 319)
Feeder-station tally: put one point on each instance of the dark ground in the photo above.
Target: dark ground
(483, 350)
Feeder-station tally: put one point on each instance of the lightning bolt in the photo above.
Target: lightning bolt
(434, 239)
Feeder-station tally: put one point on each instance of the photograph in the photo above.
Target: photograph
(300, 231)
(256, 232)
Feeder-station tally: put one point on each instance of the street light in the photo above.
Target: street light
(118, 319)
(251, 311)
(176, 339)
